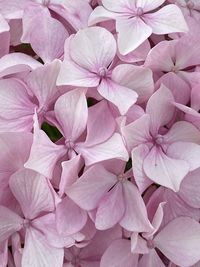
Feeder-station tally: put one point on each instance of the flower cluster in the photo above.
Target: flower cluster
(99, 133)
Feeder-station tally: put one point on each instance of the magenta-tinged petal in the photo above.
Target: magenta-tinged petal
(166, 20)
(186, 151)
(132, 33)
(160, 108)
(70, 219)
(113, 148)
(110, 209)
(164, 170)
(93, 48)
(182, 131)
(71, 11)
(179, 241)
(139, 79)
(50, 33)
(42, 83)
(100, 14)
(189, 190)
(16, 107)
(151, 260)
(179, 88)
(119, 6)
(10, 223)
(160, 57)
(32, 192)
(38, 253)
(138, 155)
(17, 62)
(135, 217)
(72, 74)
(119, 254)
(4, 36)
(70, 171)
(137, 132)
(71, 112)
(122, 97)
(100, 125)
(148, 5)
(44, 153)
(91, 187)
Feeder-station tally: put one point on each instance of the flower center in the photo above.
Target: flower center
(150, 244)
(159, 140)
(139, 12)
(175, 69)
(122, 178)
(102, 72)
(190, 4)
(46, 2)
(26, 223)
(69, 144)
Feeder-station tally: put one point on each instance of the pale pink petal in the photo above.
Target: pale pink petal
(119, 254)
(164, 170)
(160, 108)
(50, 33)
(151, 260)
(70, 219)
(119, 6)
(70, 171)
(4, 36)
(17, 62)
(42, 82)
(93, 48)
(44, 153)
(47, 226)
(160, 56)
(100, 14)
(14, 10)
(179, 241)
(32, 192)
(148, 5)
(72, 74)
(71, 11)
(139, 79)
(110, 209)
(166, 20)
(122, 97)
(91, 187)
(179, 88)
(71, 112)
(186, 151)
(132, 33)
(137, 132)
(38, 253)
(135, 217)
(138, 244)
(138, 155)
(175, 207)
(113, 148)
(190, 187)
(16, 107)
(101, 123)
(137, 55)
(10, 223)
(182, 131)
(4, 253)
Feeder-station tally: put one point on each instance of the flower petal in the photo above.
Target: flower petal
(32, 192)
(132, 33)
(10, 223)
(71, 112)
(179, 241)
(38, 253)
(91, 187)
(164, 170)
(166, 20)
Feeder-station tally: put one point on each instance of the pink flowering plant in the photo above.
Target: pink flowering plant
(99, 133)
